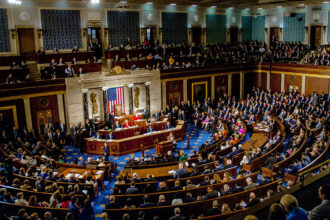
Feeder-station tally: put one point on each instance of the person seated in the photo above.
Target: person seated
(150, 129)
(162, 187)
(53, 62)
(140, 57)
(55, 50)
(10, 79)
(98, 135)
(61, 62)
(41, 51)
(74, 61)
(211, 193)
(95, 60)
(110, 136)
(116, 125)
(126, 124)
(215, 210)
(75, 49)
(128, 57)
(132, 189)
(113, 204)
(136, 117)
(181, 172)
(80, 72)
(69, 71)
(146, 202)
(150, 57)
(168, 126)
(22, 65)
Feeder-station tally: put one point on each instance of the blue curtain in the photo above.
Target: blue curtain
(328, 26)
(4, 32)
(216, 28)
(294, 28)
(123, 25)
(174, 27)
(61, 28)
(246, 28)
(258, 28)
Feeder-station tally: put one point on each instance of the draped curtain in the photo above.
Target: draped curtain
(294, 28)
(246, 28)
(4, 32)
(123, 25)
(216, 28)
(258, 28)
(61, 28)
(174, 27)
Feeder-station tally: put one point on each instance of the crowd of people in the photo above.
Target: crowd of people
(306, 118)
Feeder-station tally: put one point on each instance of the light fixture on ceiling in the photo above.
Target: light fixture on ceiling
(15, 2)
(280, 6)
(149, 3)
(231, 7)
(194, 5)
(259, 8)
(213, 6)
(95, 1)
(123, 2)
(247, 9)
(325, 2)
(172, 4)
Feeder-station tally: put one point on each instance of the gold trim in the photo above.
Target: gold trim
(61, 92)
(198, 83)
(13, 108)
(33, 87)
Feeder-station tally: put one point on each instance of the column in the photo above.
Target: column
(229, 84)
(27, 109)
(130, 98)
(303, 84)
(282, 82)
(148, 96)
(105, 104)
(163, 95)
(185, 90)
(86, 115)
(213, 86)
(241, 85)
(60, 105)
(268, 80)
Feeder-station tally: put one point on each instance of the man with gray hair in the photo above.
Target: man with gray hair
(180, 173)
(250, 184)
(177, 215)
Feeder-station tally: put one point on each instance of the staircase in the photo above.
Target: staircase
(34, 72)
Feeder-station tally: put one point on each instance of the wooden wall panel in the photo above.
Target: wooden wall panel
(41, 104)
(275, 82)
(190, 81)
(263, 81)
(235, 85)
(292, 80)
(317, 84)
(221, 86)
(250, 80)
(19, 103)
(174, 87)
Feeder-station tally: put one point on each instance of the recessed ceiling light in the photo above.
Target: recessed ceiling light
(213, 6)
(194, 5)
(149, 3)
(247, 9)
(173, 4)
(280, 6)
(259, 8)
(123, 2)
(231, 8)
(325, 2)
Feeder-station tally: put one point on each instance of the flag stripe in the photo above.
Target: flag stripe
(116, 96)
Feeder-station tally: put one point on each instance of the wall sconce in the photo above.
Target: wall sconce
(306, 29)
(324, 28)
(266, 30)
(39, 33)
(12, 33)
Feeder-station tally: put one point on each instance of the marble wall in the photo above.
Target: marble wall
(94, 82)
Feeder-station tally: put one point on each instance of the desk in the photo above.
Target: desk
(163, 147)
(140, 122)
(132, 144)
(132, 131)
(158, 173)
(97, 175)
(256, 140)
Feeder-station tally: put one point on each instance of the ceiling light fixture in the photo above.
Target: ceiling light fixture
(213, 6)
(325, 2)
(149, 3)
(173, 4)
(194, 5)
(259, 8)
(280, 6)
(123, 2)
(231, 7)
(15, 2)
(247, 9)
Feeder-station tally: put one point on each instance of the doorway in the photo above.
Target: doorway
(93, 33)
(274, 35)
(43, 117)
(26, 41)
(316, 32)
(196, 35)
(233, 35)
(150, 34)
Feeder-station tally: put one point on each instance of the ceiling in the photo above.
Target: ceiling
(204, 3)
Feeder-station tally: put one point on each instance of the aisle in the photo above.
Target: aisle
(197, 138)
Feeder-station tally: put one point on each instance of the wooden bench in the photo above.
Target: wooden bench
(67, 57)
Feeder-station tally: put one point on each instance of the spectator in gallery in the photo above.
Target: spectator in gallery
(61, 62)
(75, 49)
(74, 61)
(95, 60)
(41, 51)
(321, 211)
(80, 72)
(291, 207)
(69, 71)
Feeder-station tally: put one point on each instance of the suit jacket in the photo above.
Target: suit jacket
(116, 126)
(167, 127)
(150, 130)
(321, 211)
(180, 173)
(132, 190)
(270, 162)
(106, 149)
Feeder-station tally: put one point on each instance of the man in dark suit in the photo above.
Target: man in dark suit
(180, 173)
(270, 161)
(110, 136)
(177, 215)
(116, 125)
(211, 193)
(106, 151)
(150, 129)
(168, 126)
(113, 204)
(146, 202)
(214, 210)
(132, 189)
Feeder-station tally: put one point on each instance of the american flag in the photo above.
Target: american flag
(116, 96)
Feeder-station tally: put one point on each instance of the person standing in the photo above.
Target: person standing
(106, 151)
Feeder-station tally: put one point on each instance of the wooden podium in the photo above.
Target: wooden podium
(163, 147)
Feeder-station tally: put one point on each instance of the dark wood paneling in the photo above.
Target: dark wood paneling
(263, 80)
(317, 84)
(275, 82)
(292, 80)
(19, 103)
(221, 86)
(250, 80)
(44, 103)
(173, 87)
(235, 85)
(190, 81)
